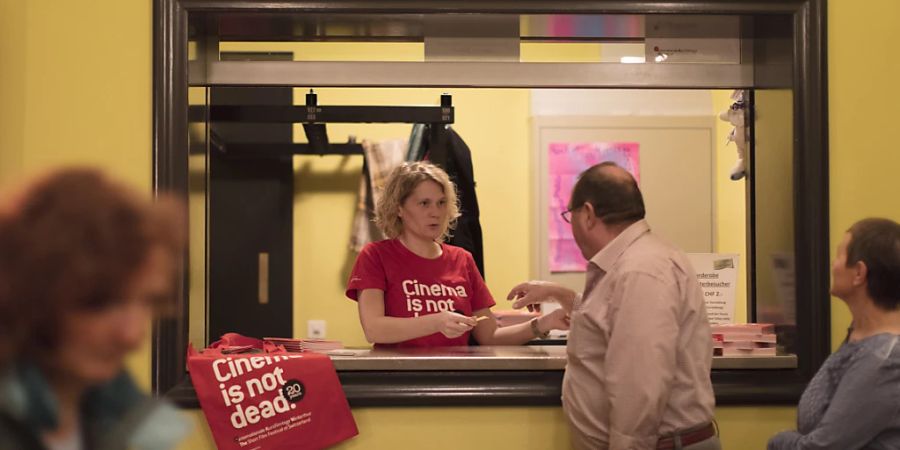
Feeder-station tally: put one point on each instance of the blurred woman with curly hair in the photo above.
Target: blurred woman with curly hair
(85, 264)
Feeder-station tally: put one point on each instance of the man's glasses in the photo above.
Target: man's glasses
(567, 215)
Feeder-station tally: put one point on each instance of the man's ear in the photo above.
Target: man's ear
(591, 217)
(861, 273)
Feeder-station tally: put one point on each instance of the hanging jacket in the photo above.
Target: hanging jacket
(447, 149)
(417, 143)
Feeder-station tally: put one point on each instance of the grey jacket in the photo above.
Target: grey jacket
(853, 402)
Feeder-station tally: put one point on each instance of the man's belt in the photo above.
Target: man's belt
(688, 437)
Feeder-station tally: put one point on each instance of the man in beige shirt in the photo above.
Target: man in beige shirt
(639, 348)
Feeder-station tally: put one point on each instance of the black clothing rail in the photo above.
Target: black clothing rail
(330, 114)
(278, 150)
(314, 119)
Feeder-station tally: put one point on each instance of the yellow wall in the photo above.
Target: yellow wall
(87, 86)
(95, 106)
(862, 96)
(12, 89)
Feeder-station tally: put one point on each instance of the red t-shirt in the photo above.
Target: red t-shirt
(414, 286)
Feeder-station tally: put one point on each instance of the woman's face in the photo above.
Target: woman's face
(94, 343)
(424, 213)
(842, 277)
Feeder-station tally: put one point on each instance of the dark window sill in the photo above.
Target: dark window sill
(518, 388)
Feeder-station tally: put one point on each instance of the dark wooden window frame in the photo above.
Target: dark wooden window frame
(170, 174)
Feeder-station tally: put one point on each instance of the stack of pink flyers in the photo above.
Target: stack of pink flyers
(305, 345)
(745, 339)
(321, 345)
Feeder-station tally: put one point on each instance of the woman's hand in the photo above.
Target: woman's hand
(451, 324)
(555, 320)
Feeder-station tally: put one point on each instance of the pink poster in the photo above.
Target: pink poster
(567, 161)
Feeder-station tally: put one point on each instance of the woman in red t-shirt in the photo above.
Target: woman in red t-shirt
(414, 290)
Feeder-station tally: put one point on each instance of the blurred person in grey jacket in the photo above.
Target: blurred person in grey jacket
(85, 264)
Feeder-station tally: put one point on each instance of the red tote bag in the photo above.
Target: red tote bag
(269, 400)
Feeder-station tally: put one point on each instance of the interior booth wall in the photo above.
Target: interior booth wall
(810, 183)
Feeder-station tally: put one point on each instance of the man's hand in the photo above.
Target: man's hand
(536, 292)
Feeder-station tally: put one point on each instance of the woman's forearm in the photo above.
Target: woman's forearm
(390, 330)
(517, 334)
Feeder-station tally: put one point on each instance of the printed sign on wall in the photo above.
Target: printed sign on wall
(717, 274)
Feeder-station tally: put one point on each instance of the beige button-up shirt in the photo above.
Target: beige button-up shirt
(639, 349)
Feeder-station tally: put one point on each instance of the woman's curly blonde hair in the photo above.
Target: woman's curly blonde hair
(400, 184)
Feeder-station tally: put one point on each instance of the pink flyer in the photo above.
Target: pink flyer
(566, 161)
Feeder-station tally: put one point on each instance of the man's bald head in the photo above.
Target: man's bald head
(612, 192)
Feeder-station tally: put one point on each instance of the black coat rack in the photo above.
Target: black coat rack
(314, 118)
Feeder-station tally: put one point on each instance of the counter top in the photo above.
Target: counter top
(494, 358)
(529, 375)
